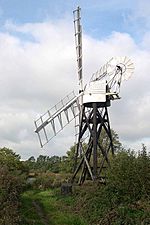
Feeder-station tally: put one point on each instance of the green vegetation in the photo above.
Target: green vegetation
(12, 181)
(49, 204)
(124, 200)
(126, 197)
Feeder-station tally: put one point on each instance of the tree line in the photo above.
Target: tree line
(58, 164)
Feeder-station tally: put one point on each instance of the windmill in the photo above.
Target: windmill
(90, 108)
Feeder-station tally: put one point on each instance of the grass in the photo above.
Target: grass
(89, 205)
(55, 208)
(27, 210)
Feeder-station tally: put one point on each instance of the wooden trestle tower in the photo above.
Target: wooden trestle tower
(91, 158)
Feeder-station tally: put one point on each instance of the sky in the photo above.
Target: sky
(38, 67)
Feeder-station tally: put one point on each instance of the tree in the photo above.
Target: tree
(103, 140)
(31, 159)
(30, 163)
(54, 164)
(11, 185)
(143, 168)
(41, 163)
(10, 159)
(129, 176)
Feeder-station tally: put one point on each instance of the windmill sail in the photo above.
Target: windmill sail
(115, 71)
(78, 42)
(55, 119)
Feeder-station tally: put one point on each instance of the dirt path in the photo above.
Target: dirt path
(41, 213)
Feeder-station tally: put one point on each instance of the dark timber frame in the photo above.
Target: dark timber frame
(91, 159)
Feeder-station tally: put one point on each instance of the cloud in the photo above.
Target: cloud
(137, 19)
(38, 68)
(35, 75)
(142, 11)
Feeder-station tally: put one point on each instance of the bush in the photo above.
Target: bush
(48, 179)
(12, 181)
(129, 177)
(44, 180)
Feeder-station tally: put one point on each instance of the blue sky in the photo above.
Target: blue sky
(38, 66)
(99, 17)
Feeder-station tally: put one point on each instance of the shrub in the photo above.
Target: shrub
(129, 177)
(12, 181)
(44, 180)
